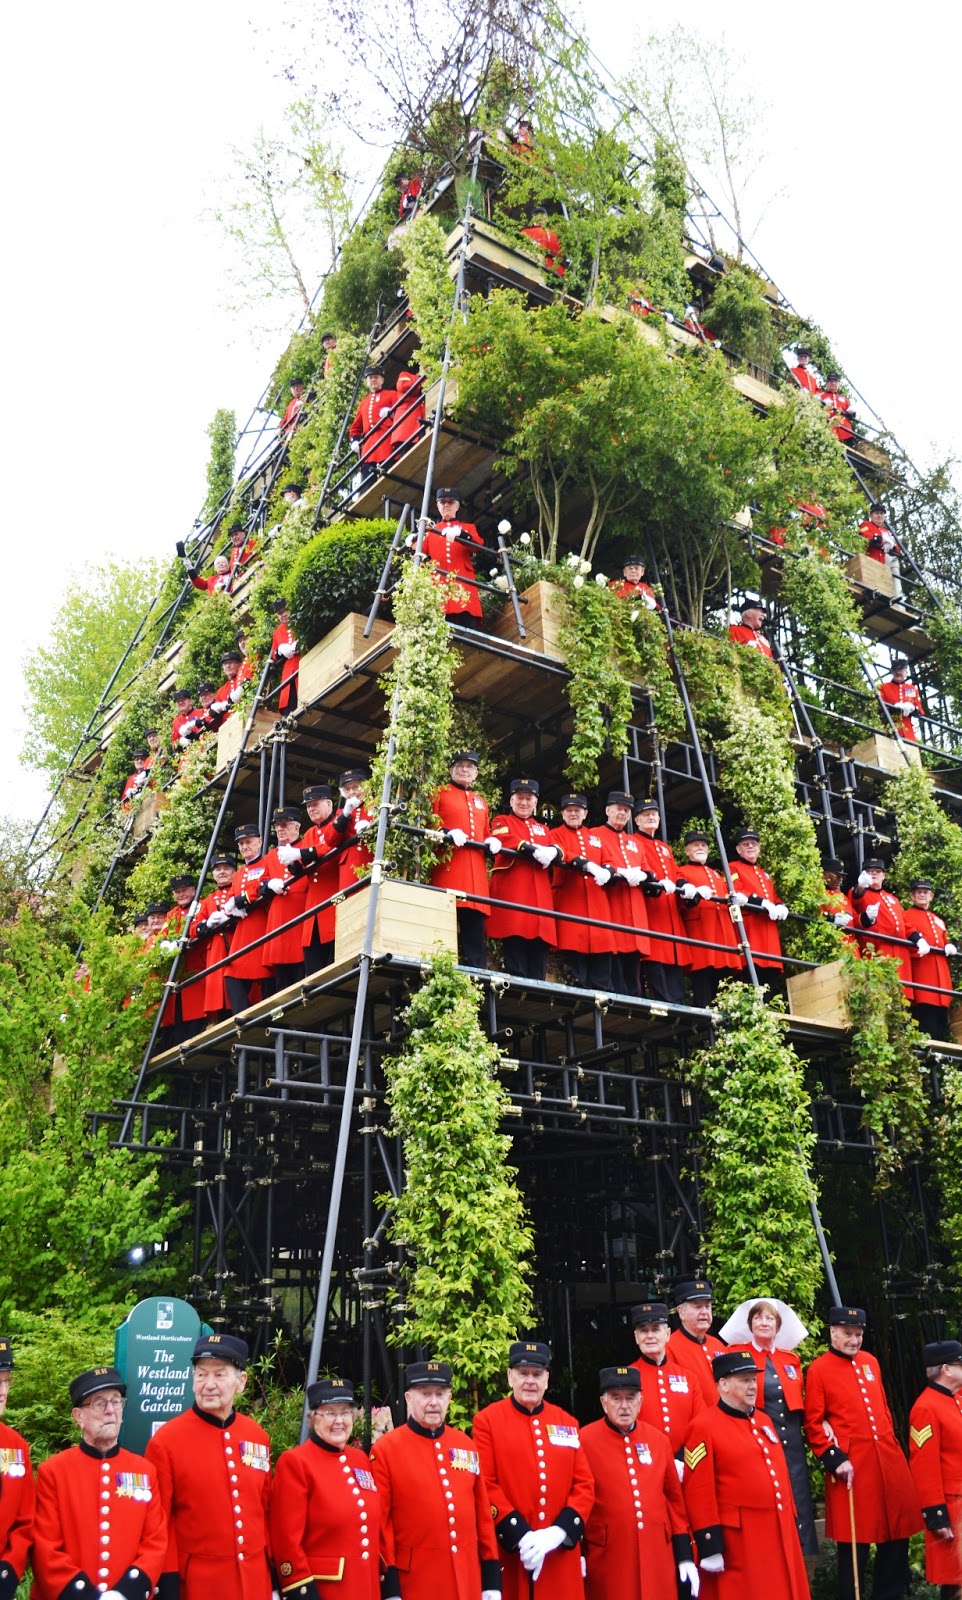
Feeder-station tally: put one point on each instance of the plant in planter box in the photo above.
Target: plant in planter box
(336, 573)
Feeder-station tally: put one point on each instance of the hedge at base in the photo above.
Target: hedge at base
(337, 572)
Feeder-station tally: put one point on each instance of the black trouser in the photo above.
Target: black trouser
(238, 993)
(891, 1579)
(588, 971)
(665, 982)
(464, 619)
(704, 983)
(524, 958)
(317, 955)
(472, 951)
(626, 972)
(283, 975)
(950, 1591)
(933, 1020)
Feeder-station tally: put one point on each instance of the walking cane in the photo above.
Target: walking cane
(851, 1520)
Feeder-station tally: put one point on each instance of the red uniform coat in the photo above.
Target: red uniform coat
(547, 240)
(326, 1523)
(709, 920)
(246, 888)
(577, 893)
(17, 1505)
(752, 637)
(239, 555)
(848, 1394)
(625, 904)
(287, 946)
(637, 1530)
(935, 1459)
(289, 419)
(441, 545)
(355, 853)
(213, 942)
(872, 533)
(805, 379)
(193, 1007)
(322, 882)
(288, 693)
(134, 787)
(99, 1520)
(662, 909)
(763, 936)
(437, 1538)
(626, 591)
(409, 411)
(933, 968)
(890, 920)
(739, 1501)
(215, 1485)
(789, 1369)
(537, 1474)
(521, 881)
(695, 1357)
(467, 867)
(905, 694)
(177, 726)
(671, 1397)
(216, 583)
(372, 425)
(837, 405)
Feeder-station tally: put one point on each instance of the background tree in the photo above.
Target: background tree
(222, 433)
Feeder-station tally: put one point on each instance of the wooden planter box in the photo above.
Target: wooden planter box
(542, 620)
(885, 753)
(340, 651)
(875, 575)
(229, 735)
(410, 920)
(145, 817)
(821, 994)
(489, 248)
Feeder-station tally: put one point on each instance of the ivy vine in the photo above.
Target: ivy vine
(759, 1142)
(886, 1062)
(460, 1214)
(930, 843)
(947, 1161)
(421, 246)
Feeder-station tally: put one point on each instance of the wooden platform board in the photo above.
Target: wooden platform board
(461, 459)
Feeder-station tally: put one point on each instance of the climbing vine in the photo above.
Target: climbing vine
(179, 840)
(429, 288)
(466, 1286)
(944, 627)
(819, 598)
(886, 1062)
(313, 445)
(759, 1143)
(947, 1160)
(930, 843)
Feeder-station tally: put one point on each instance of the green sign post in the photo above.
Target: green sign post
(152, 1351)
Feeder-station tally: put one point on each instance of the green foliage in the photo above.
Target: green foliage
(335, 573)
(313, 445)
(930, 843)
(798, 330)
(460, 1214)
(222, 433)
(661, 259)
(947, 1163)
(720, 675)
(886, 1062)
(819, 599)
(274, 1396)
(428, 287)
(210, 631)
(419, 690)
(271, 583)
(365, 283)
(468, 732)
(926, 508)
(944, 627)
(68, 670)
(49, 1351)
(807, 462)
(739, 315)
(179, 841)
(143, 708)
(759, 1140)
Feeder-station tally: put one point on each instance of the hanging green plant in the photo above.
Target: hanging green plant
(312, 446)
(947, 1161)
(460, 1215)
(756, 1177)
(594, 635)
(179, 841)
(930, 843)
(944, 627)
(419, 687)
(886, 1062)
(720, 674)
(818, 597)
(430, 292)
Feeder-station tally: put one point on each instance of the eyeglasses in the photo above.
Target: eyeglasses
(101, 1407)
(335, 1413)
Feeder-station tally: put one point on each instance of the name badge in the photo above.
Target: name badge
(559, 1434)
(254, 1455)
(678, 1382)
(465, 1460)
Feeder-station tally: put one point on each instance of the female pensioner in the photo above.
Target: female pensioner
(770, 1330)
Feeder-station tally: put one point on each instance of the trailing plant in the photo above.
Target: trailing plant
(886, 1061)
(655, 672)
(144, 707)
(720, 674)
(759, 1142)
(312, 447)
(947, 1161)
(819, 599)
(179, 841)
(222, 433)
(365, 282)
(468, 732)
(460, 1215)
(210, 631)
(418, 691)
(271, 583)
(740, 316)
(806, 462)
(944, 627)
(930, 843)
(428, 287)
(798, 330)
(335, 573)
(598, 645)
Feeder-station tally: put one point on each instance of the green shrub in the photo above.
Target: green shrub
(336, 573)
(211, 630)
(741, 317)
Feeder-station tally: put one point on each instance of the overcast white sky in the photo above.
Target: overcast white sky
(117, 122)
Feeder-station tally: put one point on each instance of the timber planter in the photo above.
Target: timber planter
(542, 611)
(341, 652)
(821, 995)
(871, 574)
(230, 733)
(410, 920)
(889, 755)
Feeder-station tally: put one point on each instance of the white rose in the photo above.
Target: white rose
(573, 561)
(504, 525)
(501, 583)
(633, 616)
(492, 572)
(584, 565)
(525, 538)
(579, 582)
(601, 580)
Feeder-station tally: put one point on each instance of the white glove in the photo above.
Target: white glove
(356, 446)
(768, 907)
(704, 890)
(669, 885)
(841, 919)
(287, 854)
(539, 1545)
(600, 874)
(236, 692)
(169, 946)
(780, 913)
(492, 845)
(904, 708)
(863, 880)
(184, 741)
(680, 1468)
(217, 919)
(888, 543)
(922, 947)
(141, 779)
(217, 706)
(490, 1594)
(688, 1573)
(457, 837)
(871, 912)
(287, 650)
(951, 949)
(713, 1564)
(651, 604)
(362, 826)
(239, 913)
(351, 804)
(740, 899)
(688, 891)
(277, 885)
(545, 854)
